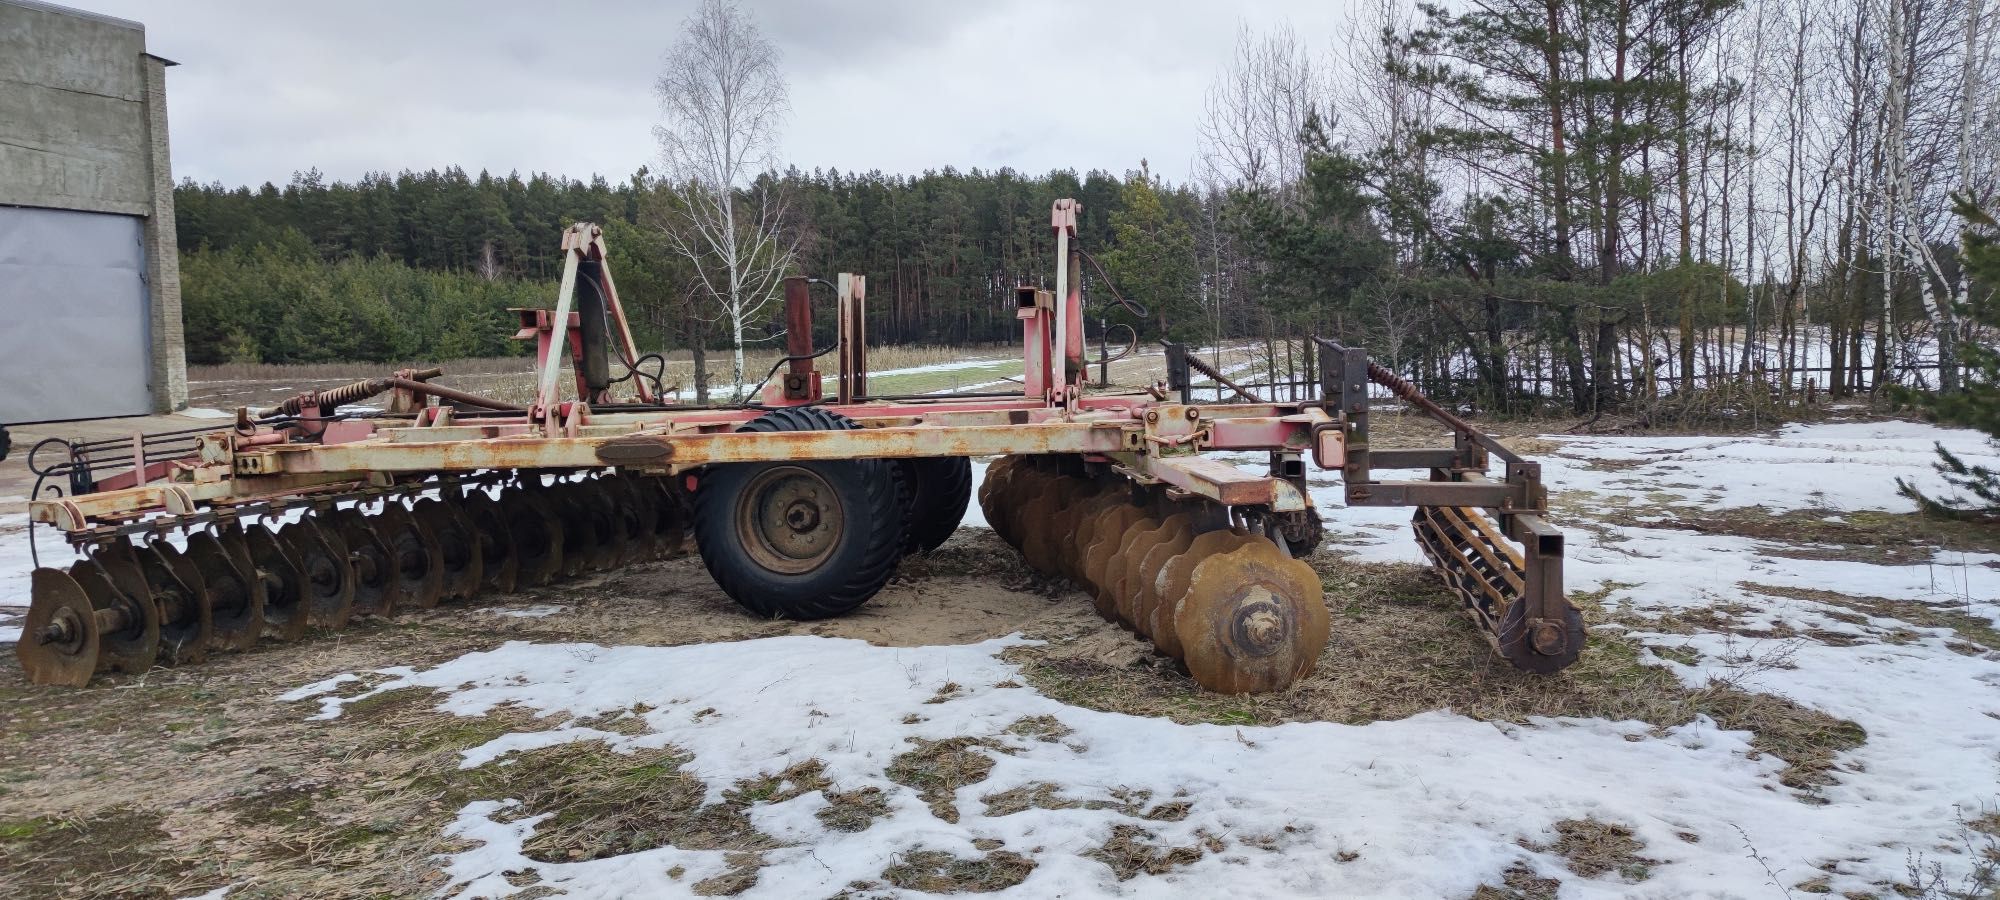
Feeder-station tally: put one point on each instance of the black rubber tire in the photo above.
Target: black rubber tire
(940, 489)
(865, 551)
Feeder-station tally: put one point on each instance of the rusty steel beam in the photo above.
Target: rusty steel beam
(1425, 458)
(679, 451)
(802, 382)
(1434, 493)
(1219, 481)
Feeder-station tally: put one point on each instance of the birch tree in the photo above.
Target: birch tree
(723, 106)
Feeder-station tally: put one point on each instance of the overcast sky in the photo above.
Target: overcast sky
(265, 89)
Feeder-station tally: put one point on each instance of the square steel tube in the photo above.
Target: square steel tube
(681, 451)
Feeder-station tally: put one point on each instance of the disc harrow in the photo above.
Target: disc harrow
(309, 515)
(1228, 602)
(175, 598)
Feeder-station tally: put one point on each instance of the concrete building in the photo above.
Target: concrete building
(90, 296)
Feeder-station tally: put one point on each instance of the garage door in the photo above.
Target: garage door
(74, 341)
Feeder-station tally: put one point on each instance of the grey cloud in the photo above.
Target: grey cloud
(266, 89)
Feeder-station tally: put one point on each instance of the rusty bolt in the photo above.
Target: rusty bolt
(1152, 417)
(1192, 414)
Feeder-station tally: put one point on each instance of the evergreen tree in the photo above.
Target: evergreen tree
(1319, 248)
(1152, 260)
(1977, 403)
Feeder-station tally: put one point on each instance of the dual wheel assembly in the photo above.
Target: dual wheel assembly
(1229, 603)
(815, 539)
(126, 607)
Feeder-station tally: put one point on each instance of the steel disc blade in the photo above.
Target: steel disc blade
(498, 565)
(672, 511)
(608, 534)
(1252, 620)
(1142, 575)
(1048, 524)
(1024, 483)
(376, 590)
(416, 563)
(68, 657)
(326, 575)
(537, 534)
(136, 647)
(636, 515)
(129, 646)
(994, 494)
(1101, 557)
(461, 564)
(580, 530)
(1107, 530)
(235, 600)
(1079, 503)
(1114, 497)
(1036, 485)
(1037, 541)
(187, 624)
(1138, 539)
(232, 538)
(1173, 583)
(277, 567)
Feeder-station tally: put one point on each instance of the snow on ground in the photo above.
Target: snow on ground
(1840, 466)
(17, 561)
(536, 611)
(1429, 806)
(1412, 805)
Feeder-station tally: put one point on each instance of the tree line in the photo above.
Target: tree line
(405, 256)
(1581, 203)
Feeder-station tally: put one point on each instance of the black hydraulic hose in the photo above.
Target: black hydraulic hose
(752, 404)
(1132, 306)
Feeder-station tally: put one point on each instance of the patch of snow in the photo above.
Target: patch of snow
(1843, 466)
(17, 564)
(537, 611)
(200, 412)
(318, 687)
(1432, 805)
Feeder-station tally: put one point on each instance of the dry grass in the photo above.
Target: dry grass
(1977, 633)
(1046, 795)
(1588, 847)
(1047, 729)
(853, 811)
(937, 769)
(115, 853)
(1400, 619)
(1592, 848)
(938, 872)
(603, 803)
(1519, 882)
(232, 373)
(1131, 852)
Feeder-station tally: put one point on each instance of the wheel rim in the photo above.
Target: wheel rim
(788, 519)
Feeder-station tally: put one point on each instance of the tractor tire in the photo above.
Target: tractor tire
(800, 540)
(940, 489)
